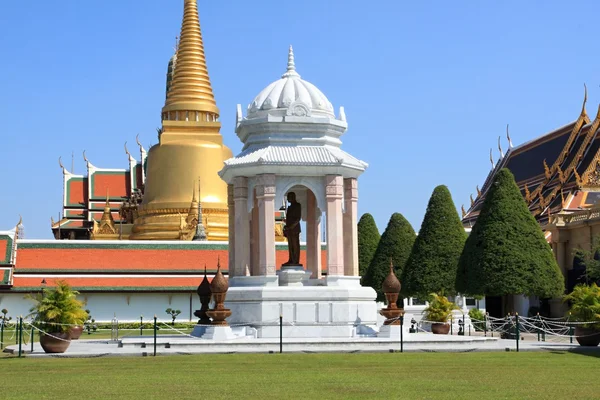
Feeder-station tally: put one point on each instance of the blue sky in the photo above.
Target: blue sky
(427, 86)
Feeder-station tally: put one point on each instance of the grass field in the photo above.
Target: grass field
(454, 376)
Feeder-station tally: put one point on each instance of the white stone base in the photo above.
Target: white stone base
(216, 332)
(293, 275)
(393, 331)
(343, 311)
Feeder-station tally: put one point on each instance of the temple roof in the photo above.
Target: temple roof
(551, 170)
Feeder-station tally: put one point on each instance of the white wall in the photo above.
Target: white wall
(126, 306)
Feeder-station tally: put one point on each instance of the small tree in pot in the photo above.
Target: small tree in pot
(585, 307)
(438, 313)
(54, 314)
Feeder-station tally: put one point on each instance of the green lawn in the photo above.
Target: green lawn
(453, 376)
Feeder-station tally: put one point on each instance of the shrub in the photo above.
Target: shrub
(585, 305)
(439, 308)
(477, 319)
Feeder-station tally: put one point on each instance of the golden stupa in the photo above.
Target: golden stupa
(190, 151)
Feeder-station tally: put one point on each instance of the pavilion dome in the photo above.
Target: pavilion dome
(291, 95)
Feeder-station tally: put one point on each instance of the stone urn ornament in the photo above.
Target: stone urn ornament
(391, 288)
(219, 287)
(205, 293)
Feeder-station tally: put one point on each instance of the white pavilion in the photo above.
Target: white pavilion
(291, 139)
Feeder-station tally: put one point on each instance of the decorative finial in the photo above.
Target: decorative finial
(61, 165)
(500, 148)
(107, 199)
(492, 159)
(510, 143)
(472, 201)
(176, 48)
(20, 220)
(584, 99)
(218, 262)
(204, 269)
(478, 191)
(291, 65)
(127, 151)
(462, 209)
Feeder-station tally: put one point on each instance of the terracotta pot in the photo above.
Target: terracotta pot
(51, 344)
(75, 332)
(587, 336)
(440, 328)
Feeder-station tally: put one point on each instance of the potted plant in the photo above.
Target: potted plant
(438, 313)
(585, 308)
(173, 313)
(55, 311)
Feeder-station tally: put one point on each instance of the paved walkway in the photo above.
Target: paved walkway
(173, 345)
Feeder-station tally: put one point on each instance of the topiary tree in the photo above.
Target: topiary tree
(506, 253)
(395, 244)
(368, 239)
(431, 267)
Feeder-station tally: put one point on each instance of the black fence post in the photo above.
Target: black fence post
(402, 333)
(20, 334)
(154, 335)
(280, 334)
(517, 333)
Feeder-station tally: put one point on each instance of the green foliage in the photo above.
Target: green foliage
(395, 244)
(585, 305)
(590, 259)
(506, 252)
(439, 308)
(57, 309)
(368, 239)
(477, 318)
(433, 260)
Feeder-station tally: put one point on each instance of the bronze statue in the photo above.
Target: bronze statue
(291, 230)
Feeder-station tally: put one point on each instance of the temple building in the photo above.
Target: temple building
(136, 240)
(155, 198)
(559, 177)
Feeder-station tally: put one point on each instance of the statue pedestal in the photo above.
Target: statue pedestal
(217, 332)
(393, 331)
(293, 275)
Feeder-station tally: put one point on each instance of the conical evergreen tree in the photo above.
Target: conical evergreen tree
(506, 252)
(433, 261)
(368, 239)
(395, 244)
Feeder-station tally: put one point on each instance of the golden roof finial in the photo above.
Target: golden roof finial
(190, 89)
(510, 143)
(492, 159)
(478, 191)
(61, 165)
(462, 209)
(107, 200)
(472, 201)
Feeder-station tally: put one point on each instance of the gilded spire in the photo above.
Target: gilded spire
(107, 214)
(500, 148)
(190, 89)
(492, 159)
(510, 143)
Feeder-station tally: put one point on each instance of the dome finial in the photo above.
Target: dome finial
(291, 65)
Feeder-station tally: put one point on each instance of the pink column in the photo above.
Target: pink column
(335, 236)
(350, 227)
(313, 237)
(265, 195)
(231, 213)
(242, 225)
(254, 239)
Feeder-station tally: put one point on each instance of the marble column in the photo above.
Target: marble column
(313, 236)
(265, 195)
(351, 227)
(254, 239)
(242, 225)
(231, 216)
(335, 236)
